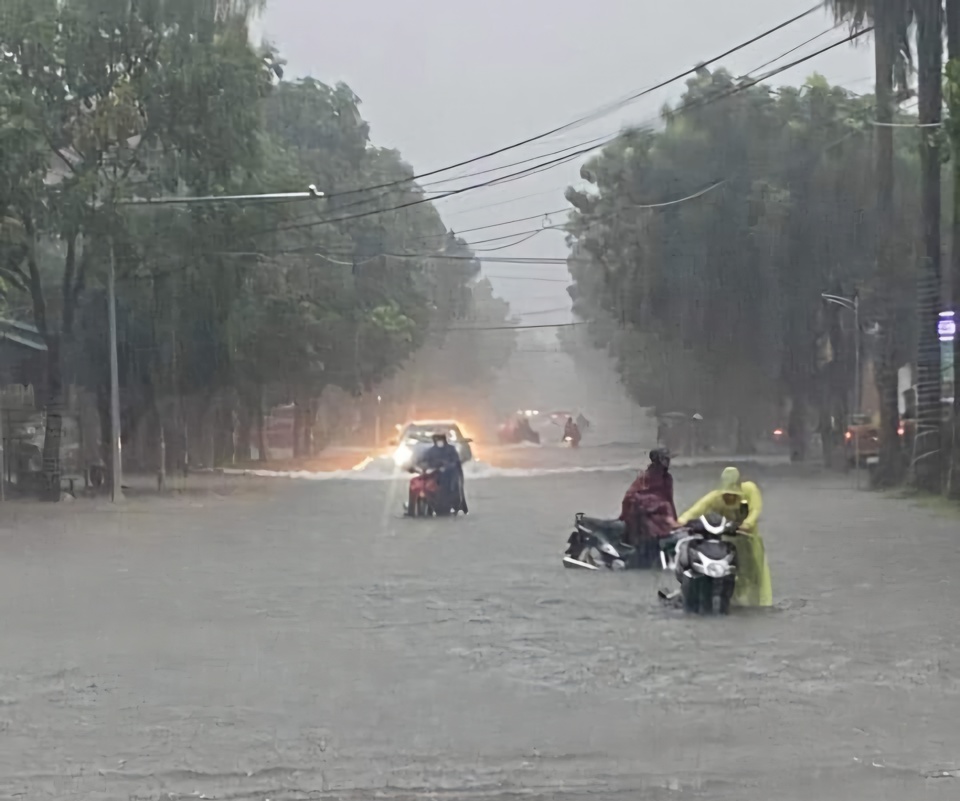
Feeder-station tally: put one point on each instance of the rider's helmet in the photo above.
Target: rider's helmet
(439, 438)
(661, 457)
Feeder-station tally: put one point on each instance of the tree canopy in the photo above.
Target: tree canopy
(227, 307)
(713, 303)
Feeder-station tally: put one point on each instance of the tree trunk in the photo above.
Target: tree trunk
(797, 428)
(927, 467)
(244, 432)
(224, 431)
(297, 427)
(890, 468)
(953, 53)
(745, 444)
(161, 455)
(262, 455)
(310, 419)
(53, 434)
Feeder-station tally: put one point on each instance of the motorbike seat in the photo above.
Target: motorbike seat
(613, 528)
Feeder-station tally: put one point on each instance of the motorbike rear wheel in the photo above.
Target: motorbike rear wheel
(698, 596)
(421, 508)
(716, 598)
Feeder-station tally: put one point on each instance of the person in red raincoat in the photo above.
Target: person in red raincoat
(648, 508)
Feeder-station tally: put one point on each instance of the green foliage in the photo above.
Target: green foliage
(716, 300)
(103, 102)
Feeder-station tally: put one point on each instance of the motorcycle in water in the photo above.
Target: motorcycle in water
(596, 543)
(571, 435)
(705, 564)
(427, 497)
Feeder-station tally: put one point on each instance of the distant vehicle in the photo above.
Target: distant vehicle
(862, 438)
(417, 435)
(518, 429)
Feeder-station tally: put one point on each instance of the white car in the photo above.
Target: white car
(417, 435)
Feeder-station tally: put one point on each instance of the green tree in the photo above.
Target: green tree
(715, 302)
(121, 97)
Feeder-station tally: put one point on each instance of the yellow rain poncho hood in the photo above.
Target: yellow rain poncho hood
(754, 585)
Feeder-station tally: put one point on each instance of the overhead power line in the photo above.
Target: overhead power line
(738, 88)
(517, 327)
(597, 113)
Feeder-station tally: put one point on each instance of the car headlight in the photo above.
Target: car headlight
(402, 455)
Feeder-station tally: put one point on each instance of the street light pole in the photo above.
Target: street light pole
(856, 347)
(852, 304)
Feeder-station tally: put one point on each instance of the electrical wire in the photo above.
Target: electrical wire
(527, 238)
(738, 88)
(795, 49)
(542, 311)
(546, 214)
(419, 201)
(601, 111)
(518, 327)
(528, 278)
(601, 139)
(545, 261)
(598, 140)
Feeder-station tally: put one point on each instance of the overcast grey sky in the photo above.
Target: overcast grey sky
(444, 80)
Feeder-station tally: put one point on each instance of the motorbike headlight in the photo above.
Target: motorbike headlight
(402, 455)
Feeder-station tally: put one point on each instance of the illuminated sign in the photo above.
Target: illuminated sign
(947, 326)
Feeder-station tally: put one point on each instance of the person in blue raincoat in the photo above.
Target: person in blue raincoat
(444, 457)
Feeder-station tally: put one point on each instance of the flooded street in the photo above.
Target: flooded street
(311, 644)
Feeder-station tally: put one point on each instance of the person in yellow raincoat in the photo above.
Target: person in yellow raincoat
(754, 586)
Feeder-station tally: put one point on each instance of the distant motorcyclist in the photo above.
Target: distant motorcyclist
(524, 429)
(444, 458)
(648, 509)
(740, 501)
(571, 432)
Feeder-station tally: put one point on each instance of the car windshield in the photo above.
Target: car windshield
(425, 432)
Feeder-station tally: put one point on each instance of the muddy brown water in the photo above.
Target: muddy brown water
(309, 643)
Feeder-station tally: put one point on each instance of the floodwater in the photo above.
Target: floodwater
(309, 643)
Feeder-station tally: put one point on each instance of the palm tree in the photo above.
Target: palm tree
(953, 54)
(892, 64)
(930, 19)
